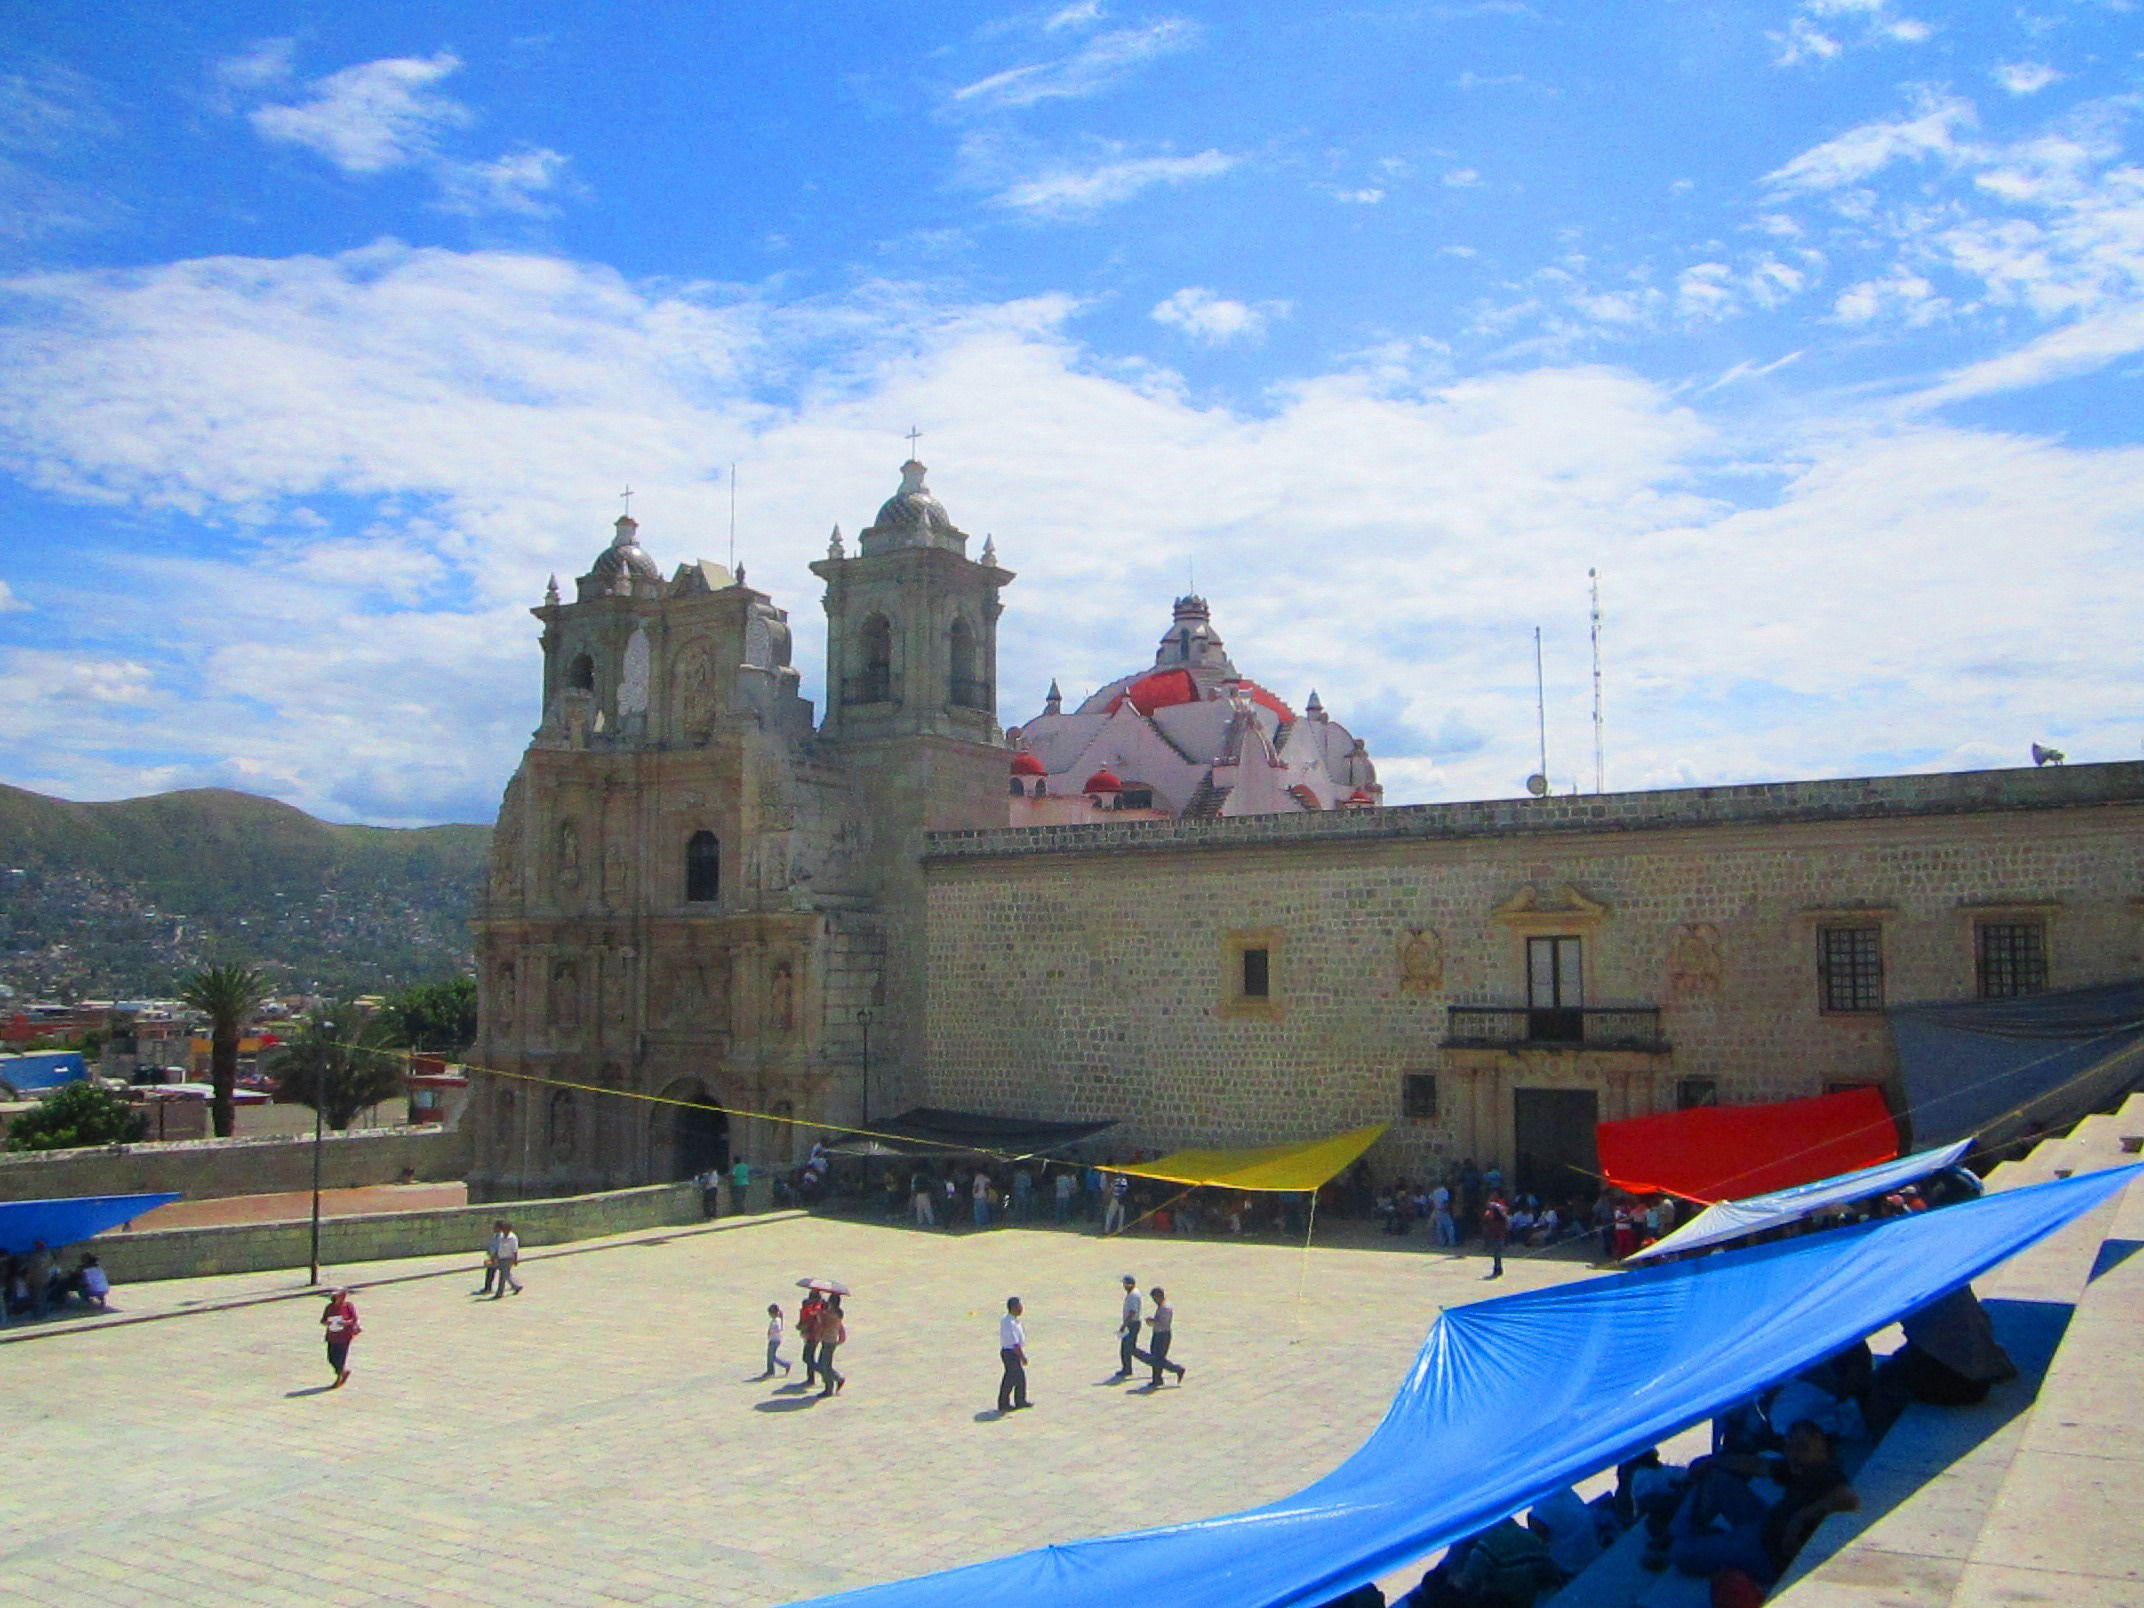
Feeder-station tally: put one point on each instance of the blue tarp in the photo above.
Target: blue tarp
(42, 1069)
(1988, 1069)
(65, 1222)
(1513, 1399)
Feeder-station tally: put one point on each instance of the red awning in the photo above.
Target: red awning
(1728, 1152)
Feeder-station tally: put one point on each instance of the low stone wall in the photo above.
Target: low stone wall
(210, 1169)
(180, 1253)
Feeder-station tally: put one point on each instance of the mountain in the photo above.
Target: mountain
(124, 899)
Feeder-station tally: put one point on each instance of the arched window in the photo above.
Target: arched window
(965, 687)
(703, 869)
(872, 680)
(582, 673)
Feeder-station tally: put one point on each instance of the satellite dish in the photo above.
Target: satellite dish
(2046, 756)
(1537, 784)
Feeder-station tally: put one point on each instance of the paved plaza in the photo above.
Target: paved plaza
(602, 1438)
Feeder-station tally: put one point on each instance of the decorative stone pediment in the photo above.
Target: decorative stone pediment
(1557, 908)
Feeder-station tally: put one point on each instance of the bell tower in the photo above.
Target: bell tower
(912, 627)
(911, 693)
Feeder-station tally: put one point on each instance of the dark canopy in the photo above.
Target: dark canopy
(932, 1131)
(1989, 1068)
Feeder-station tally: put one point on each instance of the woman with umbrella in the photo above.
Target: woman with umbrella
(828, 1330)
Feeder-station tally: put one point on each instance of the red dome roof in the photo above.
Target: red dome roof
(1103, 781)
(1259, 695)
(1160, 690)
(1026, 764)
(1362, 795)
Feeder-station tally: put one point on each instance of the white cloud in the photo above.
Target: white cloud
(1215, 320)
(1070, 191)
(371, 117)
(517, 182)
(1082, 15)
(1462, 178)
(2026, 77)
(9, 602)
(1860, 153)
(1821, 30)
(254, 69)
(1097, 65)
(1369, 196)
(480, 409)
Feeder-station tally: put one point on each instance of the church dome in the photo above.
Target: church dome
(1026, 764)
(625, 556)
(912, 517)
(1103, 781)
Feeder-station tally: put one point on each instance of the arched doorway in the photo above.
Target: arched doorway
(688, 1139)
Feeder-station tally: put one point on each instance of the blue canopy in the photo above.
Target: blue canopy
(63, 1222)
(1513, 1399)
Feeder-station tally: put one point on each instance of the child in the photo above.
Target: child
(774, 1342)
(340, 1321)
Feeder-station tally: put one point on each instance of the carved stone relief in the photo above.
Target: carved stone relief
(633, 675)
(1694, 960)
(565, 995)
(1421, 961)
(569, 856)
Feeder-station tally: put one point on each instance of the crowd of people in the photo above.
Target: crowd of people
(34, 1285)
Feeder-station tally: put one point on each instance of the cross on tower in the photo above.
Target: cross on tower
(626, 497)
(913, 436)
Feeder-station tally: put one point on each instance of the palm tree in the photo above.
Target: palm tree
(340, 1063)
(227, 996)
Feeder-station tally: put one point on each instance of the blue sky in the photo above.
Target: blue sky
(327, 333)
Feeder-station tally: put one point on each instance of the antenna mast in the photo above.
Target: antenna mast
(1600, 750)
(1541, 702)
(733, 519)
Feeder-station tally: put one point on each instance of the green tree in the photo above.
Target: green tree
(341, 1061)
(227, 996)
(436, 1017)
(76, 1115)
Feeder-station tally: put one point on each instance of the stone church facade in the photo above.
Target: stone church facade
(698, 892)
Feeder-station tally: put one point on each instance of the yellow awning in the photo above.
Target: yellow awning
(1266, 1167)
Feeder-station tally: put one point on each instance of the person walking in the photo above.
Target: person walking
(1160, 1330)
(808, 1332)
(979, 1192)
(505, 1256)
(340, 1321)
(774, 1342)
(491, 1259)
(919, 1189)
(1063, 1188)
(1128, 1320)
(1012, 1352)
(833, 1331)
(1495, 1229)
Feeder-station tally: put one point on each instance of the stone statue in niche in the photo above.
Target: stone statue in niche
(565, 995)
(633, 675)
(564, 1119)
(616, 874)
(569, 856)
(1421, 961)
(692, 693)
(503, 999)
(1694, 960)
(783, 998)
(618, 992)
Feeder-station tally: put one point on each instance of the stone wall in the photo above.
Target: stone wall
(182, 1253)
(209, 1169)
(1091, 972)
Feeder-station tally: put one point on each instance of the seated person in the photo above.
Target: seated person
(93, 1283)
(1722, 1524)
(1571, 1529)
(1951, 1357)
(1505, 1566)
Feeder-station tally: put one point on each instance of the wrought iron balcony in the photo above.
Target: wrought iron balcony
(1588, 1027)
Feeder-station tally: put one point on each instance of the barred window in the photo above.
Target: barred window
(1849, 968)
(1692, 1094)
(2010, 958)
(1257, 974)
(1418, 1096)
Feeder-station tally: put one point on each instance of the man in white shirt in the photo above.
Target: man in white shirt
(1012, 1351)
(505, 1253)
(1128, 1320)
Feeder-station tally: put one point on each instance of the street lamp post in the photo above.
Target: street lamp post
(320, 1100)
(863, 1020)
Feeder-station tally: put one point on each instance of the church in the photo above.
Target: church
(1181, 906)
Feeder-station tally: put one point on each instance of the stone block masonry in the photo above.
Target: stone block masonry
(1095, 972)
(183, 1253)
(210, 1169)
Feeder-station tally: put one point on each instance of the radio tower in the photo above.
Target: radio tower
(1600, 751)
